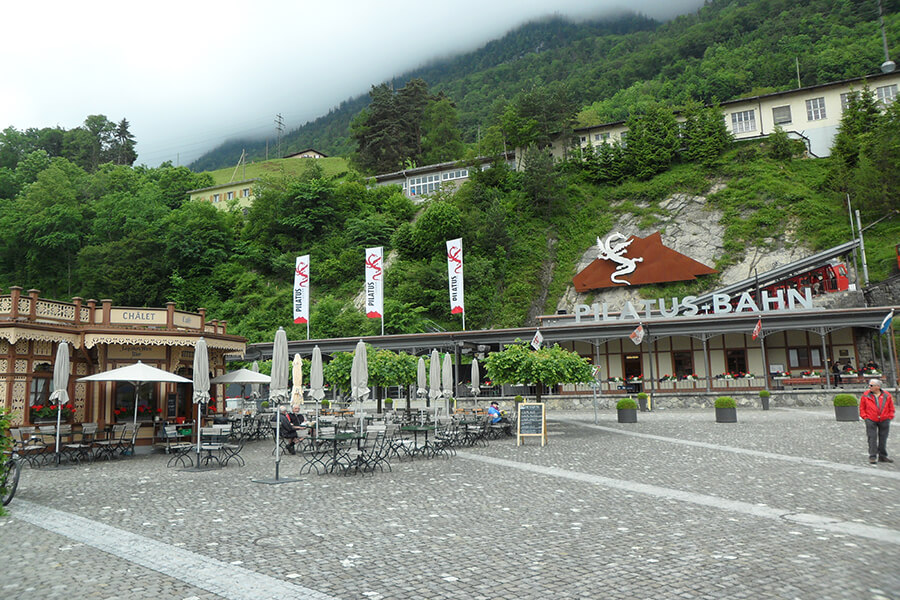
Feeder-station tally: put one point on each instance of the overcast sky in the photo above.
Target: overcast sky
(188, 75)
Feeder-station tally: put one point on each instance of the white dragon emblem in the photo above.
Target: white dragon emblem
(616, 253)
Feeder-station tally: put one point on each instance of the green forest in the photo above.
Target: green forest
(80, 220)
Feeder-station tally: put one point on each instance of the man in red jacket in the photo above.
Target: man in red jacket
(876, 408)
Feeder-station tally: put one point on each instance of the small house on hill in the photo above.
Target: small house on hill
(308, 153)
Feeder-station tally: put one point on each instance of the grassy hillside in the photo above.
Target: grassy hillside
(335, 167)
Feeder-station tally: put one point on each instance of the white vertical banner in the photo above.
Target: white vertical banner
(301, 291)
(455, 278)
(375, 283)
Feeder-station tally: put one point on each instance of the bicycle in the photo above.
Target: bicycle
(9, 477)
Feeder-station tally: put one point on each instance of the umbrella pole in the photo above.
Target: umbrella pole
(198, 433)
(277, 440)
(58, 423)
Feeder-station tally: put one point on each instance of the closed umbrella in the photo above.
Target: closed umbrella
(254, 387)
(243, 377)
(434, 380)
(447, 381)
(60, 391)
(476, 380)
(297, 380)
(316, 379)
(421, 382)
(278, 395)
(201, 384)
(278, 390)
(359, 375)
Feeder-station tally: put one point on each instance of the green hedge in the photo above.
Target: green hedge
(626, 403)
(764, 393)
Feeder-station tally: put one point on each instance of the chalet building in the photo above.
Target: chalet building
(422, 181)
(219, 195)
(308, 153)
(103, 337)
(811, 114)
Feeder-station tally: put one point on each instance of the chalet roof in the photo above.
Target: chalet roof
(222, 185)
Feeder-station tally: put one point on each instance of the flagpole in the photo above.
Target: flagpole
(893, 354)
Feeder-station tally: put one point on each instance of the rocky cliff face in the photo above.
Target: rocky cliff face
(690, 226)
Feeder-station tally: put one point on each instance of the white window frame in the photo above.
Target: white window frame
(886, 94)
(815, 109)
(743, 121)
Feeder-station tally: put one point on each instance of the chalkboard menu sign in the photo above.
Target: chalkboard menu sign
(170, 408)
(531, 422)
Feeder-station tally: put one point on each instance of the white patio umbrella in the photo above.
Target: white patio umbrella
(316, 379)
(278, 390)
(297, 381)
(421, 382)
(476, 380)
(254, 387)
(137, 374)
(447, 382)
(359, 376)
(434, 380)
(60, 391)
(201, 383)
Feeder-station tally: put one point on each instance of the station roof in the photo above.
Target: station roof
(820, 321)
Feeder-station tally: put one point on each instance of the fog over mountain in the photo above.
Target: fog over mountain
(189, 75)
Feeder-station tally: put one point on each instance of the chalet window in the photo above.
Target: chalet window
(815, 109)
(743, 121)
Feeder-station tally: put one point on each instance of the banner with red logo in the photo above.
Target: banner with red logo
(301, 289)
(757, 329)
(374, 283)
(455, 273)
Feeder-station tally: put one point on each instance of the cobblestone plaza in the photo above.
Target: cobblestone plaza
(782, 504)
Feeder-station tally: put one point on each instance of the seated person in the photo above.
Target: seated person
(287, 430)
(296, 417)
(494, 413)
(872, 365)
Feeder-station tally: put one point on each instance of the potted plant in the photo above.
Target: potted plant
(325, 404)
(626, 410)
(764, 398)
(518, 400)
(388, 404)
(846, 407)
(642, 401)
(264, 404)
(726, 410)
(47, 413)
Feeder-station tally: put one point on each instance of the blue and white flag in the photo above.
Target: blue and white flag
(886, 324)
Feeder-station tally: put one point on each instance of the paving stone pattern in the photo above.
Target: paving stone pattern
(782, 504)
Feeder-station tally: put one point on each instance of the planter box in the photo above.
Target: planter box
(627, 415)
(846, 413)
(726, 415)
(765, 402)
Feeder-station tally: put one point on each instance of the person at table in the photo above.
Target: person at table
(296, 417)
(876, 408)
(288, 431)
(494, 413)
(872, 365)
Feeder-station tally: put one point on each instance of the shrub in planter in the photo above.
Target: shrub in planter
(726, 410)
(764, 398)
(388, 404)
(642, 401)
(325, 403)
(846, 407)
(264, 404)
(626, 410)
(518, 399)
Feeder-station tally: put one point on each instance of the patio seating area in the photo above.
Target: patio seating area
(84, 443)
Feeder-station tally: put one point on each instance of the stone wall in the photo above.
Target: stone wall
(884, 293)
(699, 400)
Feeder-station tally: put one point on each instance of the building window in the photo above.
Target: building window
(583, 139)
(231, 195)
(886, 94)
(845, 100)
(215, 198)
(123, 409)
(596, 137)
(736, 360)
(804, 358)
(743, 121)
(40, 391)
(815, 109)
(683, 363)
(781, 115)
(245, 193)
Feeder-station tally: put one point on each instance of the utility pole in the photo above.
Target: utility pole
(888, 65)
(279, 129)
